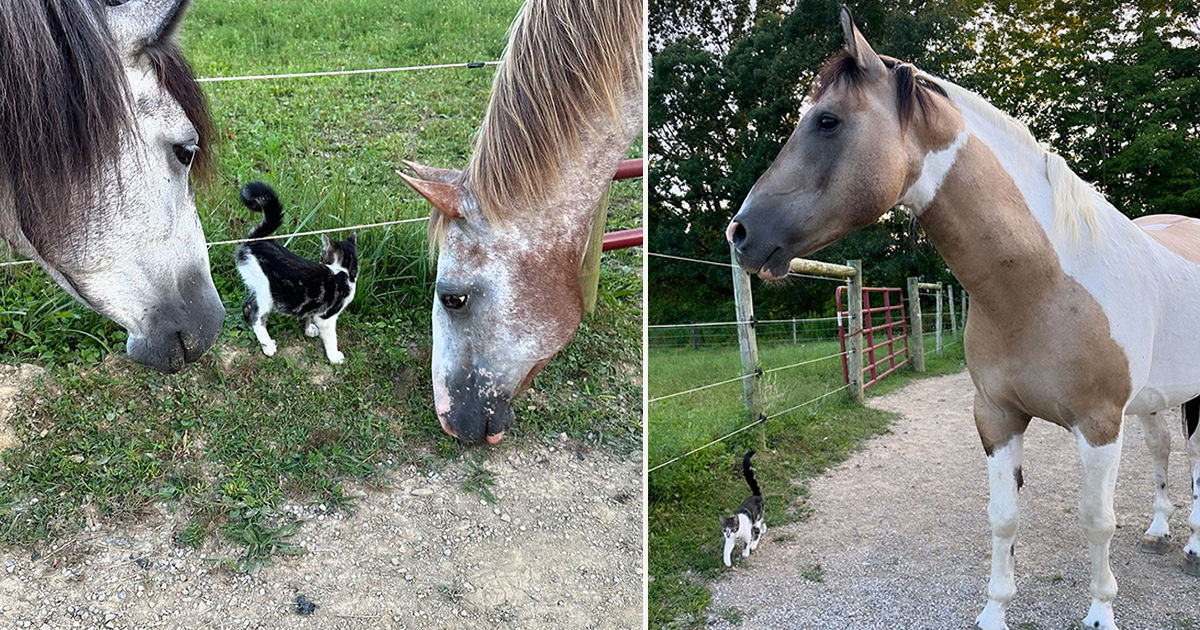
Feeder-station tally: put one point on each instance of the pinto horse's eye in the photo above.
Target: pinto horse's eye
(454, 302)
(827, 123)
(185, 153)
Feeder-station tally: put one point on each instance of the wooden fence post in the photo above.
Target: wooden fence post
(953, 319)
(963, 312)
(747, 340)
(938, 326)
(695, 339)
(854, 335)
(916, 336)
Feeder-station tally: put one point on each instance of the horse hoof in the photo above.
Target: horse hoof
(1157, 545)
(1191, 564)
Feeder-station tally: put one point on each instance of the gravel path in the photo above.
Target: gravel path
(560, 548)
(899, 538)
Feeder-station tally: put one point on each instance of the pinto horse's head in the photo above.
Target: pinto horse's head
(506, 300)
(100, 127)
(855, 151)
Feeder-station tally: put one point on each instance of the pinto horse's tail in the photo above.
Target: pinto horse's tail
(748, 473)
(260, 197)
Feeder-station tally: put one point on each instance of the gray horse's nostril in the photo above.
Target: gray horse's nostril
(735, 233)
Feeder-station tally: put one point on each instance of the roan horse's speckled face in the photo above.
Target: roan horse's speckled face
(504, 305)
(126, 241)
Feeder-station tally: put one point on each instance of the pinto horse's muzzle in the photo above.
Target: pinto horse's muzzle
(477, 409)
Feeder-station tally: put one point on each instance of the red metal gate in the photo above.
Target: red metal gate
(877, 363)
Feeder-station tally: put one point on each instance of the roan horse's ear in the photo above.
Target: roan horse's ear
(858, 47)
(138, 23)
(447, 197)
(434, 174)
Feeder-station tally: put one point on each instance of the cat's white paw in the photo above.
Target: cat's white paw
(269, 349)
(727, 562)
(336, 357)
(311, 330)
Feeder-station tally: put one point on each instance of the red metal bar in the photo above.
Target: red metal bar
(629, 169)
(622, 239)
(894, 317)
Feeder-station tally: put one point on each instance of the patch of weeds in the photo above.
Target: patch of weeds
(731, 615)
(453, 592)
(479, 479)
(1185, 623)
(783, 538)
(815, 573)
(261, 539)
(192, 534)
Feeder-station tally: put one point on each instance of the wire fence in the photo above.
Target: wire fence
(774, 337)
(307, 75)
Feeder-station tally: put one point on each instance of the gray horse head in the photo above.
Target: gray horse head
(101, 126)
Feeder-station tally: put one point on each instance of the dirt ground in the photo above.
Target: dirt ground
(561, 547)
(899, 538)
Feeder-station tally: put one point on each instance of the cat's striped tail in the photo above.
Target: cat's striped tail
(748, 473)
(260, 197)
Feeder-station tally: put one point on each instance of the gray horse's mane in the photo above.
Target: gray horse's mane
(64, 103)
(567, 63)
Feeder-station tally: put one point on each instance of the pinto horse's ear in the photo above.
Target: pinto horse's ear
(138, 23)
(433, 174)
(447, 197)
(857, 46)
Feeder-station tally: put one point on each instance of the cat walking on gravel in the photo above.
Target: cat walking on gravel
(746, 524)
(278, 280)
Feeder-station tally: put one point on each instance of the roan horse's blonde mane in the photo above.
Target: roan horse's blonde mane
(567, 63)
(1074, 199)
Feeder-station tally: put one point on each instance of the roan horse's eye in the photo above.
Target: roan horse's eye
(827, 123)
(454, 302)
(185, 153)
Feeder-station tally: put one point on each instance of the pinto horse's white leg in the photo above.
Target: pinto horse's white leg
(1192, 550)
(1098, 521)
(1002, 431)
(1158, 440)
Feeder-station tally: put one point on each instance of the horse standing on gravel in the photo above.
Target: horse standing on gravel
(513, 225)
(101, 123)
(1076, 312)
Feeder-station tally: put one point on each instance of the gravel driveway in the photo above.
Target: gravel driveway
(899, 538)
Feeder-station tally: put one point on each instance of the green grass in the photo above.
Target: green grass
(234, 435)
(687, 498)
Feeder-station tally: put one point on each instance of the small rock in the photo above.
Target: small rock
(421, 492)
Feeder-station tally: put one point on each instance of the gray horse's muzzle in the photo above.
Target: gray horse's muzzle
(181, 329)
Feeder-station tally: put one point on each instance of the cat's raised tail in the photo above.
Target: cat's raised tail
(748, 473)
(260, 197)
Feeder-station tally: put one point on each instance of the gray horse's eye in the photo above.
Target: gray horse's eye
(454, 302)
(827, 123)
(185, 153)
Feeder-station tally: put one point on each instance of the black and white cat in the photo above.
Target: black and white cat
(746, 524)
(276, 279)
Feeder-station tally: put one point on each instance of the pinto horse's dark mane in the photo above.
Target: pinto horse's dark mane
(64, 102)
(913, 91)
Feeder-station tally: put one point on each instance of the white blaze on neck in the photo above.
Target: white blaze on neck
(933, 172)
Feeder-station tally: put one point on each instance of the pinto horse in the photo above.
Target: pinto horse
(101, 124)
(1077, 314)
(512, 227)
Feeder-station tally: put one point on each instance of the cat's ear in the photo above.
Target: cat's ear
(325, 242)
(447, 197)
(353, 237)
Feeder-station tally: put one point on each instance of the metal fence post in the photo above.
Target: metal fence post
(953, 319)
(938, 326)
(747, 341)
(915, 332)
(854, 336)
(793, 331)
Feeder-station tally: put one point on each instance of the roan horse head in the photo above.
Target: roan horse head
(850, 158)
(512, 227)
(101, 123)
